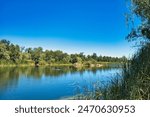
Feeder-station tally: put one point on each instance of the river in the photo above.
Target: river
(50, 83)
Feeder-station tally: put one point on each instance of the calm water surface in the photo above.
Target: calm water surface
(49, 83)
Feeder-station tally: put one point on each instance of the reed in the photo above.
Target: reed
(132, 84)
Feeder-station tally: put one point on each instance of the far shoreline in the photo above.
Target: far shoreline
(76, 65)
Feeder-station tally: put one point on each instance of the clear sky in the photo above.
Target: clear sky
(72, 26)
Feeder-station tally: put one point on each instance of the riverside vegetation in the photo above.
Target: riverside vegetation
(14, 55)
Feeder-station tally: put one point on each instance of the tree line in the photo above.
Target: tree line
(14, 54)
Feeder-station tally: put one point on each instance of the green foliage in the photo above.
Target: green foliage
(36, 55)
(136, 75)
(139, 72)
(4, 54)
(14, 54)
(134, 82)
(141, 8)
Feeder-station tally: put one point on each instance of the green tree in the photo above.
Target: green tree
(4, 54)
(94, 56)
(141, 8)
(14, 53)
(36, 55)
(75, 59)
(6, 43)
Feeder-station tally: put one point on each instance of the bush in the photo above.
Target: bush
(42, 62)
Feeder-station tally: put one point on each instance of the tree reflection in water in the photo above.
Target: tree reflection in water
(9, 76)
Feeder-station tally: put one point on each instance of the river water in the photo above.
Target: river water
(49, 83)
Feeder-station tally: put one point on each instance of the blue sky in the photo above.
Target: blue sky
(72, 26)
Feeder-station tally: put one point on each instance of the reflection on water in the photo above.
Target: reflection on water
(48, 82)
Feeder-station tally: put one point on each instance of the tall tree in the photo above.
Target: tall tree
(14, 53)
(141, 8)
(4, 54)
(36, 55)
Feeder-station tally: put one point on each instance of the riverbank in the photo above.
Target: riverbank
(77, 65)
